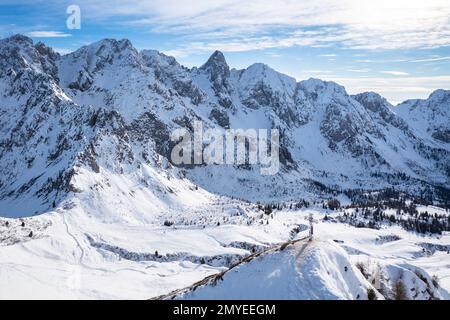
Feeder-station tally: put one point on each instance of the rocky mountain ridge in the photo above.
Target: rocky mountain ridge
(71, 125)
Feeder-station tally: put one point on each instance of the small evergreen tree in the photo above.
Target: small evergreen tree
(371, 294)
(435, 281)
(399, 290)
(334, 204)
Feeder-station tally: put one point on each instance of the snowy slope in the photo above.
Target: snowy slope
(314, 272)
(72, 254)
(341, 263)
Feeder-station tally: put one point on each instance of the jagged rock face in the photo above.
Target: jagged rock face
(341, 120)
(380, 108)
(220, 117)
(442, 134)
(148, 128)
(260, 87)
(430, 116)
(19, 53)
(70, 122)
(45, 135)
(373, 101)
(168, 71)
(337, 126)
(218, 70)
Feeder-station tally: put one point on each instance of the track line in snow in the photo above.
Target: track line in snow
(214, 277)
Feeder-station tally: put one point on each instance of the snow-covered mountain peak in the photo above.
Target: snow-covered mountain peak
(380, 109)
(373, 102)
(215, 75)
(320, 91)
(95, 57)
(430, 117)
(216, 61)
(19, 53)
(112, 45)
(258, 73)
(318, 85)
(217, 68)
(441, 97)
(437, 100)
(154, 57)
(16, 40)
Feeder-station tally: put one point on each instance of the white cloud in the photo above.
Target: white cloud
(257, 42)
(395, 73)
(177, 53)
(358, 70)
(48, 34)
(360, 24)
(382, 60)
(431, 59)
(318, 72)
(275, 55)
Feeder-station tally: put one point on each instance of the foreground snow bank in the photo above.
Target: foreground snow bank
(316, 270)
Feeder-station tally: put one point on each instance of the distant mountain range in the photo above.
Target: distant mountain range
(97, 122)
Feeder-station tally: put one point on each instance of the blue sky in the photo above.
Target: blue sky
(400, 48)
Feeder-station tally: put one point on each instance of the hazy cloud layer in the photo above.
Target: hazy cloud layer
(359, 24)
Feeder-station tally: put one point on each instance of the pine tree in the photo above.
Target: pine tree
(371, 294)
(399, 291)
(268, 209)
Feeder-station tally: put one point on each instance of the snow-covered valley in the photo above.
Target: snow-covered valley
(60, 259)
